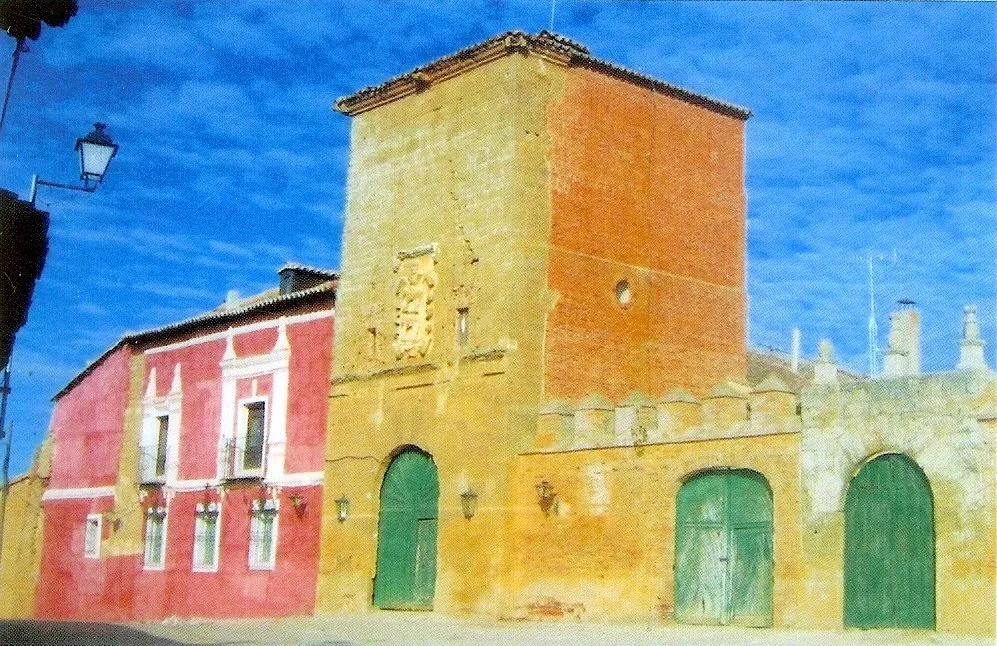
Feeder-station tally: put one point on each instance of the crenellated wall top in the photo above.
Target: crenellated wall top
(731, 409)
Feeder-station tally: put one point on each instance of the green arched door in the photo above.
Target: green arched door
(406, 534)
(889, 546)
(723, 550)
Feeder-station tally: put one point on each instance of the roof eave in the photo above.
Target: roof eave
(549, 46)
(213, 317)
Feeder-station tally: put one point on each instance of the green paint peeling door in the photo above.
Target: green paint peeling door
(723, 550)
(889, 546)
(406, 534)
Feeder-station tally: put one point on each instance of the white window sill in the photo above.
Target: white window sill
(267, 567)
(205, 570)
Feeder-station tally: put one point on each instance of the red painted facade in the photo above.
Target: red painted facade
(88, 424)
(275, 358)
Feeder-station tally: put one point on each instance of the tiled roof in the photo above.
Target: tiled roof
(217, 315)
(546, 44)
(317, 271)
(253, 305)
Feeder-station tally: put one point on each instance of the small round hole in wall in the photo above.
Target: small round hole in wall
(623, 294)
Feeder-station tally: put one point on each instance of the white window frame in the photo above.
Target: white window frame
(92, 535)
(201, 512)
(242, 434)
(152, 515)
(259, 508)
(155, 407)
(275, 364)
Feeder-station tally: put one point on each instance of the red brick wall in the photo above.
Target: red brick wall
(649, 189)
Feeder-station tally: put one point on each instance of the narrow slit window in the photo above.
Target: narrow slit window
(463, 326)
(91, 537)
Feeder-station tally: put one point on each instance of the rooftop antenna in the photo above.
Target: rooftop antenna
(873, 328)
(553, 3)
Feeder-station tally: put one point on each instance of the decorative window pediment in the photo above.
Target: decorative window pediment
(253, 426)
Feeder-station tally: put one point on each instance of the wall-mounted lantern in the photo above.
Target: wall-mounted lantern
(545, 491)
(96, 151)
(112, 519)
(298, 503)
(342, 508)
(469, 502)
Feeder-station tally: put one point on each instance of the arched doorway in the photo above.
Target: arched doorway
(406, 534)
(723, 549)
(889, 546)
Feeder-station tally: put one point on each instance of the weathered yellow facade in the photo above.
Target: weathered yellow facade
(517, 268)
(20, 561)
(453, 177)
(606, 548)
(444, 330)
(945, 423)
(126, 516)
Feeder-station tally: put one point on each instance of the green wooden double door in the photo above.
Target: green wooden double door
(406, 534)
(889, 546)
(723, 549)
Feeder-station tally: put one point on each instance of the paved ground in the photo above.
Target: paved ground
(422, 628)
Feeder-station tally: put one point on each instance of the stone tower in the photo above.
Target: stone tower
(524, 222)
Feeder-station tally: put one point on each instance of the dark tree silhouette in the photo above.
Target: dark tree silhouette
(23, 19)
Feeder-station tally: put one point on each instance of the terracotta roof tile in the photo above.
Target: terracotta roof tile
(544, 43)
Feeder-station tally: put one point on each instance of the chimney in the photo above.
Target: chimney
(903, 356)
(232, 299)
(971, 346)
(825, 369)
(295, 277)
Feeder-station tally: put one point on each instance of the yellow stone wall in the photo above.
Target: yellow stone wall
(606, 550)
(945, 423)
(456, 174)
(127, 534)
(22, 538)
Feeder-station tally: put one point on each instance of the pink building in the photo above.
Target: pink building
(187, 465)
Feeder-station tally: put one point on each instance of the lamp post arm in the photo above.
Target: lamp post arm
(38, 181)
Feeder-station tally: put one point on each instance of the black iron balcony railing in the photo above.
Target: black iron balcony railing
(242, 459)
(151, 464)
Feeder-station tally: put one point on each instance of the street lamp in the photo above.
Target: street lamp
(96, 151)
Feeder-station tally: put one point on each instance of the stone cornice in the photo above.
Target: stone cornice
(546, 45)
(489, 354)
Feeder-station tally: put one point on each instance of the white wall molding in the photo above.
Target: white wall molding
(303, 479)
(77, 493)
(244, 329)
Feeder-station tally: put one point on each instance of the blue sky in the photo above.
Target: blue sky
(875, 129)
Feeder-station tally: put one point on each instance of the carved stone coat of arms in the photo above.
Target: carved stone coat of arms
(414, 304)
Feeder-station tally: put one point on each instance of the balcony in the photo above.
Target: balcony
(152, 464)
(243, 460)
